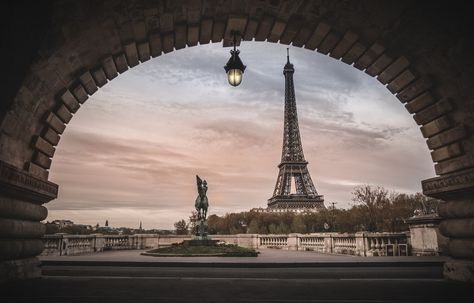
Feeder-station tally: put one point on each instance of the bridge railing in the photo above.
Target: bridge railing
(361, 243)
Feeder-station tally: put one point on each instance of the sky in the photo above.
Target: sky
(132, 151)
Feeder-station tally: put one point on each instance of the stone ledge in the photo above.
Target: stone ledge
(20, 184)
(444, 186)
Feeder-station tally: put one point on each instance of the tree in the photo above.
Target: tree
(253, 227)
(298, 226)
(181, 227)
(373, 198)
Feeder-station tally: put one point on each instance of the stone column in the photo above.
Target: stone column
(21, 210)
(292, 243)
(457, 213)
(425, 238)
(361, 245)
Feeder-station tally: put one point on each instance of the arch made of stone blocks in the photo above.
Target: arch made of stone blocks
(91, 43)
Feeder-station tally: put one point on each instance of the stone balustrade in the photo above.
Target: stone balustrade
(360, 244)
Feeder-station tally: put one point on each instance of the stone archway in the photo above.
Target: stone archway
(89, 44)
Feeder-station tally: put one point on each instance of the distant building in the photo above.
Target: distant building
(62, 223)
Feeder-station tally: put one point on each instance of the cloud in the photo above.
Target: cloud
(134, 148)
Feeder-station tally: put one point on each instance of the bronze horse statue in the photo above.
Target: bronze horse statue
(201, 203)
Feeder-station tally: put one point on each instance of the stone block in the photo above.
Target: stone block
(205, 34)
(457, 228)
(44, 146)
(432, 112)
(15, 249)
(292, 29)
(121, 63)
(108, 64)
(51, 136)
(393, 70)
(218, 31)
(99, 76)
(329, 43)
(414, 89)
(420, 102)
(37, 171)
(237, 24)
(457, 209)
(42, 160)
(70, 101)
(193, 35)
(448, 136)
(155, 44)
(379, 65)
(168, 42)
(166, 22)
(454, 164)
(131, 54)
(55, 123)
(344, 45)
(88, 83)
(401, 81)
(80, 93)
(16, 209)
(276, 31)
(139, 30)
(14, 228)
(63, 113)
(318, 35)
(264, 28)
(372, 53)
(251, 30)
(28, 268)
(143, 51)
(461, 248)
(303, 35)
(446, 152)
(354, 53)
(180, 36)
(436, 126)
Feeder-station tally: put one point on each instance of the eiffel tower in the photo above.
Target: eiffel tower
(293, 167)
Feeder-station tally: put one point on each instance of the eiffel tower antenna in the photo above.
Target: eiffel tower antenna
(293, 166)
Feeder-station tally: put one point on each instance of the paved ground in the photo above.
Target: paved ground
(265, 256)
(286, 277)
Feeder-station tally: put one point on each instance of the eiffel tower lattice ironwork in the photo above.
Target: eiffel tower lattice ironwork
(293, 167)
